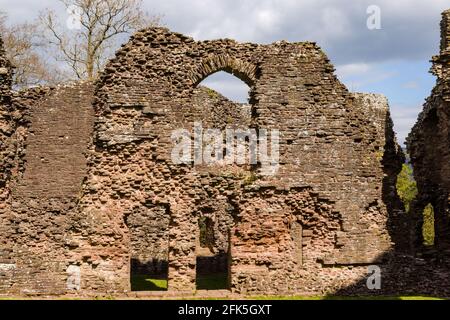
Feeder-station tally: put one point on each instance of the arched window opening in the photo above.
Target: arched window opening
(228, 86)
(223, 106)
(222, 100)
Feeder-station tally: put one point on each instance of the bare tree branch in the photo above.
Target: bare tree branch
(85, 51)
(23, 50)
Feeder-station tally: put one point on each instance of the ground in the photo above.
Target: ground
(290, 298)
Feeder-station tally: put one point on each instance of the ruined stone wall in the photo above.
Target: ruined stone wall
(265, 249)
(428, 145)
(338, 156)
(6, 162)
(92, 189)
(53, 127)
(149, 226)
(9, 118)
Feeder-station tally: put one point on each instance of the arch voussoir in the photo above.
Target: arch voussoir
(243, 70)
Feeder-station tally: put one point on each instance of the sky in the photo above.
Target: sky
(392, 60)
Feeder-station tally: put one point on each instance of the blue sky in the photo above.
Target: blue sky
(393, 61)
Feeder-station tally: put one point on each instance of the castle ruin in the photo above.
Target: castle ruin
(90, 193)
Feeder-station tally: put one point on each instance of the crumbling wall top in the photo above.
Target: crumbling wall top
(441, 62)
(445, 32)
(5, 67)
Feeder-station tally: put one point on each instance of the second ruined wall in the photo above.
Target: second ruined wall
(428, 145)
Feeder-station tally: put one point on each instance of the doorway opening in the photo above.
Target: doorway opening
(213, 259)
(149, 248)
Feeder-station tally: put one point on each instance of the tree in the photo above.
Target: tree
(89, 37)
(407, 191)
(428, 225)
(22, 50)
(406, 186)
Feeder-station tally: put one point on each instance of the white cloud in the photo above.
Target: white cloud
(353, 69)
(335, 23)
(404, 119)
(359, 75)
(410, 27)
(267, 20)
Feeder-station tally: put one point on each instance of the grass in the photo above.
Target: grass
(147, 283)
(204, 282)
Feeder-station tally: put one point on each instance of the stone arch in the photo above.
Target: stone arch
(244, 71)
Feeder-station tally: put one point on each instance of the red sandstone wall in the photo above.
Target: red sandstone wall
(333, 144)
(80, 176)
(52, 136)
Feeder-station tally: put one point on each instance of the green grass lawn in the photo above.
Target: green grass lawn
(147, 283)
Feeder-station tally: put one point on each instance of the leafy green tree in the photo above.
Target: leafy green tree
(428, 225)
(407, 191)
(406, 186)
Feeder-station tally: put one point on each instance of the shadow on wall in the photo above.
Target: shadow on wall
(212, 264)
(212, 272)
(154, 267)
(409, 268)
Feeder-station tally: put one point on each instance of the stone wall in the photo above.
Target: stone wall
(53, 127)
(5, 124)
(96, 193)
(338, 157)
(428, 145)
(6, 163)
